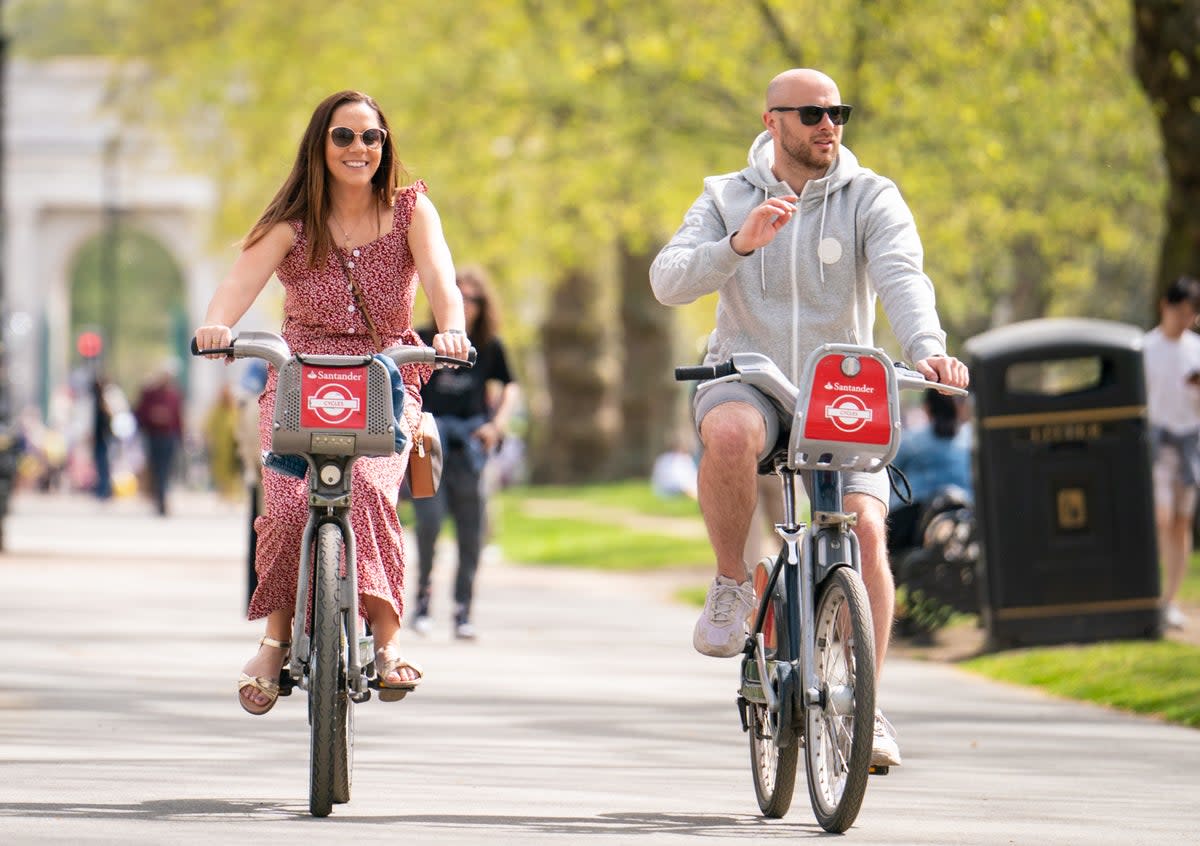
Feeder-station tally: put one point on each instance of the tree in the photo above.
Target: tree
(562, 140)
(1167, 59)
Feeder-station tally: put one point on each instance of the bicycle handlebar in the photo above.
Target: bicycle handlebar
(700, 373)
(765, 375)
(911, 379)
(273, 349)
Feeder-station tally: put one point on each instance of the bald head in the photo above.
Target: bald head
(801, 86)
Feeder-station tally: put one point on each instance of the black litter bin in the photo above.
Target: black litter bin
(1062, 483)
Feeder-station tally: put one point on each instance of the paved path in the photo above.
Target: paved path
(582, 716)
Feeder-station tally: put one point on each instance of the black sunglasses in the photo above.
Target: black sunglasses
(343, 136)
(811, 115)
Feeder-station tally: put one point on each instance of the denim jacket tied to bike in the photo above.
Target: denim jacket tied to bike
(297, 466)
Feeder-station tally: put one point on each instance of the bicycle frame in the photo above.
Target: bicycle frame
(805, 560)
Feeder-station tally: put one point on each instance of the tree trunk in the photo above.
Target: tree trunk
(650, 412)
(1168, 66)
(574, 438)
(1030, 293)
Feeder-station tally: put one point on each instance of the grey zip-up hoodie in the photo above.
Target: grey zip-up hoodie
(852, 239)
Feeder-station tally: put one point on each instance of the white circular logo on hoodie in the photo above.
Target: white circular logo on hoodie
(829, 250)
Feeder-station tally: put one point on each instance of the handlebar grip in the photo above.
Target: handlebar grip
(216, 351)
(703, 372)
(465, 364)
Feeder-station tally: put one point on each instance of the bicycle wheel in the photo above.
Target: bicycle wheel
(343, 759)
(837, 752)
(328, 702)
(773, 766)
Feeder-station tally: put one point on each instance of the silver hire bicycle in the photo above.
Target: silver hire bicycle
(808, 668)
(331, 410)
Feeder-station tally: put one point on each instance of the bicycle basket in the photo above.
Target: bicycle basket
(847, 413)
(333, 405)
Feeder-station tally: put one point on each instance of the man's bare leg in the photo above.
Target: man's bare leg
(732, 434)
(877, 572)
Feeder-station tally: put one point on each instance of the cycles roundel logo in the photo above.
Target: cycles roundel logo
(333, 403)
(848, 412)
(334, 398)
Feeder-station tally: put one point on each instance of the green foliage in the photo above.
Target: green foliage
(1161, 678)
(547, 131)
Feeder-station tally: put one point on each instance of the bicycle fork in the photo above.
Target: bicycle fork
(330, 506)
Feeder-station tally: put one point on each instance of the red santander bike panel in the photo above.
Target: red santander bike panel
(845, 409)
(333, 397)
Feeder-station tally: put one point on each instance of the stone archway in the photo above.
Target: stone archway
(126, 286)
(70, 166)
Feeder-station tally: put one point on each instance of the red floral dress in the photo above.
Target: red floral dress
(320, 316)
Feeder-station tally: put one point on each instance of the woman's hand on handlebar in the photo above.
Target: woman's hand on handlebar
(214, 336)
(944, 369)
(453, 343)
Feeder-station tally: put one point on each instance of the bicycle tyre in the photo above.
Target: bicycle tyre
(328, 702)
(773, 766)
(839, 734)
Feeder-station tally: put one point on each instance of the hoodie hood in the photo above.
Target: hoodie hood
(761, 158)
(851, 241)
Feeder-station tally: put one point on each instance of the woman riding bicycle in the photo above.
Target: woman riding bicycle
(348, 245)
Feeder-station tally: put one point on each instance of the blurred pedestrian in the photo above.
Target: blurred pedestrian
(159, 414)
(221, 444)
(1171, 354)
(933, 458)
(254, 379)
(101, 438)
(674, 471)
(472, 408)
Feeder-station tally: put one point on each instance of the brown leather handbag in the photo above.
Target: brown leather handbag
(425, 459)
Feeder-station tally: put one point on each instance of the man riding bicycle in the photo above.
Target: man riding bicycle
(798, 244)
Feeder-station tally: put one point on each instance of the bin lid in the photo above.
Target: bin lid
(1051, 334)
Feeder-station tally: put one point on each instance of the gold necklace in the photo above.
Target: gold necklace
(341, 226)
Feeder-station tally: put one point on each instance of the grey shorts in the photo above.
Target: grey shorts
(873, 484)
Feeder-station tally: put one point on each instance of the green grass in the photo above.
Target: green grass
(634, 495)
(1189, 591)
(599, 541)
(1160, 678)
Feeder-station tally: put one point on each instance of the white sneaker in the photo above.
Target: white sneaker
(885, 752)
(423, 625)
(721, 629)
(1173, 618)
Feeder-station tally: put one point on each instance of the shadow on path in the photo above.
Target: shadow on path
(741, 826)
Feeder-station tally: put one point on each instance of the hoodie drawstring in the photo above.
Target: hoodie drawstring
(762, 257)
(821, 232)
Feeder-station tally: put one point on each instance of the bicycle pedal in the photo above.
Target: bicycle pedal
(874, 770)
(386, 694)
(286, 682)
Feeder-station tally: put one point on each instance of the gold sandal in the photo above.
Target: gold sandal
(268, 687)
(386, 663)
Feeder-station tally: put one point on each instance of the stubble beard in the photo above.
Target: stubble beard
(802, 154)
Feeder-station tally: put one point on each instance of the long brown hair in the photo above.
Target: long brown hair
(305, 193)
(487, 322)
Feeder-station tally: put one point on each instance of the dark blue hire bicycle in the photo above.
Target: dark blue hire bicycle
(330, 409)
(808, 668)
